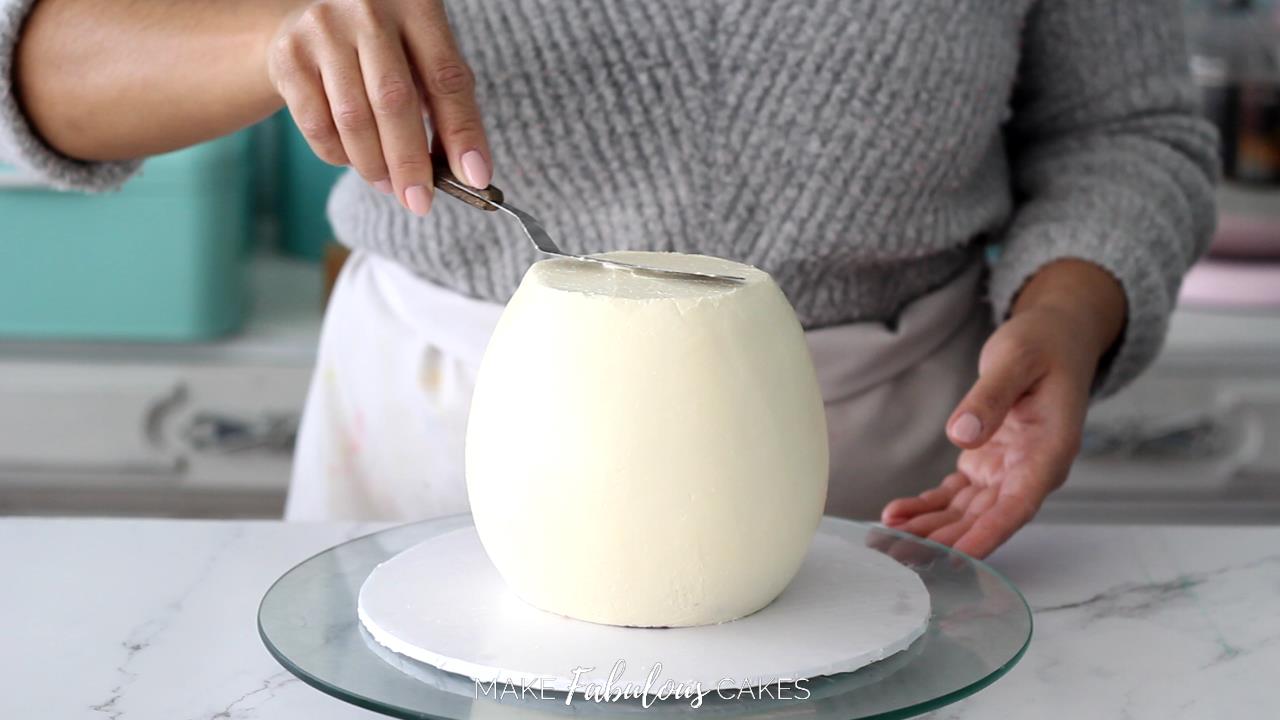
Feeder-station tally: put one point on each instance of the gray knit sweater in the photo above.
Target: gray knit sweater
(860, 151)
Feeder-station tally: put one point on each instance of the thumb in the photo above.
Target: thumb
(1007, 369)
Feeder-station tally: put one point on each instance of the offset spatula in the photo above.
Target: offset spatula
(492, 199)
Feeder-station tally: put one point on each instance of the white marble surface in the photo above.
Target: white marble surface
(156, 619)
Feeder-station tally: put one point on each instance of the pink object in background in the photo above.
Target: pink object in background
(1243, 267)
(1232, 283)
(1254, 236)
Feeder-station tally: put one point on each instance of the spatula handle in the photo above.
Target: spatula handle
(445, 180)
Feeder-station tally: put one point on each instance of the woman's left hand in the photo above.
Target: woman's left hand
(1020, 424)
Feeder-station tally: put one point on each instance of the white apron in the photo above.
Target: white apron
(382, 432)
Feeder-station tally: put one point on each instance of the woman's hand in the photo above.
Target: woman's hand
(357, 76)
(1020, 424)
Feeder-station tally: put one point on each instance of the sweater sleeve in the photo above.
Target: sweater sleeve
(20, 146)
(1111, 162)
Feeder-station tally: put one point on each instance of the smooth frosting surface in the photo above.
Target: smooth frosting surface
(593, 279)
(644, 450)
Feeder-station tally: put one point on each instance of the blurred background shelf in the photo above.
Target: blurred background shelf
(156, 343)
(196, 429)
(1196, 439)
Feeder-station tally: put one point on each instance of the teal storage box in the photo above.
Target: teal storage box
(163, 259)
(305, 182)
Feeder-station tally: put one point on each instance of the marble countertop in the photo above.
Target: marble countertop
(120, 619)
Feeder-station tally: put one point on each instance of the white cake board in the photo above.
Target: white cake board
(443, 603)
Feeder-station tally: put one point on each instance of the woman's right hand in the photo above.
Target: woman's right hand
(357, 76)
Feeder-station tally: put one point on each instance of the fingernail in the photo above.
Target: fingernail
(476, 169)
(418, 200)
(384, 187)
(966, 428)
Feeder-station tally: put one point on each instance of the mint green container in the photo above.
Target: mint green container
(163, 259)
(303, 192)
